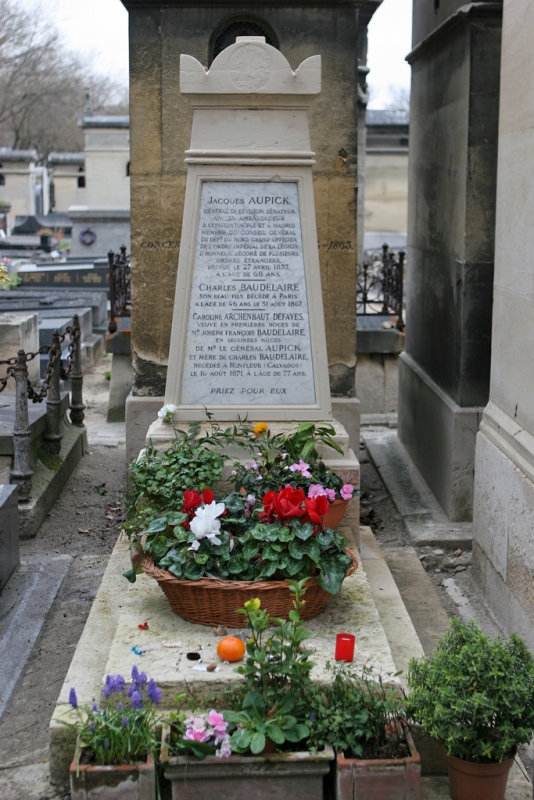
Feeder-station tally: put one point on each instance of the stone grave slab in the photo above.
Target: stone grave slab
(88, 275)
(42, 299)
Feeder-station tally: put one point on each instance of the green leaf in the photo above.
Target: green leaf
(157, 525)
(240, 740)
(309, 548)
(332, 575)
(276, 734)
(257, 743)
(297, 733)
(193, 571)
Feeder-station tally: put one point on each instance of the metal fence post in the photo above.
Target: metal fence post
(77, 406)
(400, 322)
(22, 473)
(52, 437)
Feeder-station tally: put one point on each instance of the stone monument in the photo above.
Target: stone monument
(248, 336)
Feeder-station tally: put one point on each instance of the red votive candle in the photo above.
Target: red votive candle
(345, 646)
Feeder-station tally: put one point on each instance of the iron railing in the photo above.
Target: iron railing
(380, 285)
(119, 287)
(49, 388)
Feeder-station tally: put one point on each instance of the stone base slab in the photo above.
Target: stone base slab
(112, 629)
(439, 436)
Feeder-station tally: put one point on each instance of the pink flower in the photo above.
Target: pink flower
(346, 491)
(195, 735)
(225, 749)
(210, 729)
(317, 490)
(195, 729)
(301, 467)
(217, 722)
(331, 495)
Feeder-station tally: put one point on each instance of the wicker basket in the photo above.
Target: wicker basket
(211, 601)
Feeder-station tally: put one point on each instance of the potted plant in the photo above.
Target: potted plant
(293, 458)
(475, 695)
(116, 740)
(261, 743)
(364, 720)
(209, 557)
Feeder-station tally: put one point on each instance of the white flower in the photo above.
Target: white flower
(167, 411)
(205, 524)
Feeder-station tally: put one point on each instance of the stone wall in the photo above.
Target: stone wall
(503, 519)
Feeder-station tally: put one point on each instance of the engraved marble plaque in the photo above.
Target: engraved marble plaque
(248, 336)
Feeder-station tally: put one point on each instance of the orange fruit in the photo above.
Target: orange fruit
(231, 648)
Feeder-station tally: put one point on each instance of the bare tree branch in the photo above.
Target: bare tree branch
(43, 84)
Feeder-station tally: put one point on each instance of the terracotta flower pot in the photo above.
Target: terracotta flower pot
(468, 780)
(380, 778)
(335, 513)
(121, 782)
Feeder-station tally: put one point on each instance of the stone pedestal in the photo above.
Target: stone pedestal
(444, 378)
(439, 435)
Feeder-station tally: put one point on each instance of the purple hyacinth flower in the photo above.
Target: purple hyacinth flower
(114, 684)
(153, 692)
(73, 700)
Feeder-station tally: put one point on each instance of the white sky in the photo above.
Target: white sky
(99, 30)
(390, 37)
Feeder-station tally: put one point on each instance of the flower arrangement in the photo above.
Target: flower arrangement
(280, 537)
(121, 729)
(292, 459)
(270, 527)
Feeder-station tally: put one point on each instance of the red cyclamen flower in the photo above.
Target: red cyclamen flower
(316, 508)
(284, 505)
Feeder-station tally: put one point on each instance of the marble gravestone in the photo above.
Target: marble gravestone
(248, 339)
(248, 336)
